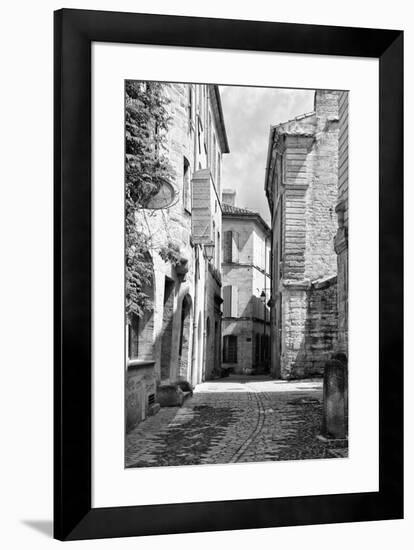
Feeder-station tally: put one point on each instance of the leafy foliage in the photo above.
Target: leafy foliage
(146, 168)
(170, 253)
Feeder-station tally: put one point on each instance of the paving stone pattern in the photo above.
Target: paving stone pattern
(243, 419)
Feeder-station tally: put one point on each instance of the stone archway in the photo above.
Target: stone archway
(184, 358)
(167, 328)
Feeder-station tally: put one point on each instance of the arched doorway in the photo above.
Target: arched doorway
(167, 328)
(184, 346)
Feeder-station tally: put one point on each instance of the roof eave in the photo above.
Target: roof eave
(253, 216)
(218, 113)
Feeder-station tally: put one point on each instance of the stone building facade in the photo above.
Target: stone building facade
(246, 275)
(341, 238)
(176, 339)
(301, 185)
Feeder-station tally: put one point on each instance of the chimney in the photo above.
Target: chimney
(228, 196)
(326, 107)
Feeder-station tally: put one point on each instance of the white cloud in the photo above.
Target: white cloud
(248, 114)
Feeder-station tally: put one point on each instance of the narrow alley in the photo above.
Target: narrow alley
(236, 419)
(236, 325)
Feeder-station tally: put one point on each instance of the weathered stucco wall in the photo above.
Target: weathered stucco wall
(243, 312)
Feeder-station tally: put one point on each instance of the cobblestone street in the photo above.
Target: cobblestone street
(237, 419)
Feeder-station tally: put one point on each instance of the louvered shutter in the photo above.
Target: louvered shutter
(234, 301)
(227, 246)
(227, 301)
(235, 247)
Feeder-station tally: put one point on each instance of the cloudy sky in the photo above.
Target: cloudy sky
(248, 115)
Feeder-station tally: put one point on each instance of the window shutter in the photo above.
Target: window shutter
(235, 247)
(227, 301)
(227, 246)
(234, 301)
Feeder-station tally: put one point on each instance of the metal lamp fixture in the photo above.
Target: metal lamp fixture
(209, 250)
(263, 297)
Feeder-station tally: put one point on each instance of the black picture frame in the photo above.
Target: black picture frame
(74, 32)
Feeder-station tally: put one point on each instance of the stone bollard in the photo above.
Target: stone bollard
(335, 398)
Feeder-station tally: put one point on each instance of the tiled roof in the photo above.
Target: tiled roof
(228, 209)
(301, 125)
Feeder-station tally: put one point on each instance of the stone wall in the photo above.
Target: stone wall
(309, 327)
(140, 390)
(303, 193)
(160, 361)
(322, 195)
(341, 239)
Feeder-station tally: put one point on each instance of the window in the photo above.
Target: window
(230, 349)
(133, 337)
(231, 247)
(186, 185)
(139, 337)
(230, 301)
(227, 245)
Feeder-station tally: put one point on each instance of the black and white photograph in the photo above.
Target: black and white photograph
(206, 270)
(236, 274)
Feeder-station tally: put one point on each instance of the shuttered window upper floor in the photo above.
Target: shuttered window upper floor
(230, 301)
(231, 247)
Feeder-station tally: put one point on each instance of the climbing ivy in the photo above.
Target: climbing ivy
(146, 168)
